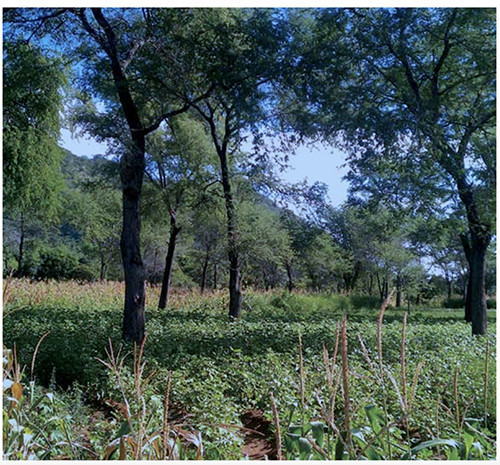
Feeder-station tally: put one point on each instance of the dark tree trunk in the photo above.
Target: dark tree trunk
(133, 318)
(265, 276)
(204, 275)
(290, 284)
(475, 302)
(380, 288)
(20, 257)
(450, 288)
(102, 276)
(169, 262)
(475, 246)
(478, 309)
(398, 291)
(132, 173)
(235, 295)
(370, 286)
(468, 299)
(215, 276)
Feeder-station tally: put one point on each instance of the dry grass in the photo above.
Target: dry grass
(24, 292)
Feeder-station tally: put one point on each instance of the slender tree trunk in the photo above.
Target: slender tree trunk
(398, 291)
(265, 276)
(169, 262)
(380, 288)
(204, 275)
(102, 276)
(20, 257)
(235, 295)
(290, 283)
(215, 276)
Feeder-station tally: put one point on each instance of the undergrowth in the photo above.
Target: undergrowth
(433, 395)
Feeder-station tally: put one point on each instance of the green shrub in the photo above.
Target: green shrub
(58, 262)
(454, 302)
(491, 303)
(364, 301)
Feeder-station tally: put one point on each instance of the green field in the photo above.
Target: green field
(223, 373)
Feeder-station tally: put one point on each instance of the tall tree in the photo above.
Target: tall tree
(420, 84)
(32, 103)
(179, 168)
(241, 52)
(110, 43)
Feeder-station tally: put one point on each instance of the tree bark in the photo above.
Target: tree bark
(20, 257)
(204, 275)
(215, 276)
(265, 276)
(235, 295)
(169, 262)
(102, 276)
(132, 170)
(398, 291)
(475, 303)
(290, 283)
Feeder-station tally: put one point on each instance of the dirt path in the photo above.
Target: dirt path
(260, 444)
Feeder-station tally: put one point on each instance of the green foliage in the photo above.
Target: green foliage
(32, 101)
(220, 370)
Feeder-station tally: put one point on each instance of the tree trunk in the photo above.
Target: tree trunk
(204, 275)
(215, 276)
(380, 288)
(290, 284)
(468, 298)
(102, 276)
(235, 295)
(265, 277)
(20, 256)
(476, 297)
(398, 291)
(370, 286)
(169, 262)
(449, 283)
(133, 314)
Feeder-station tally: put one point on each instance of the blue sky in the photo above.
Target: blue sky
(322, 164)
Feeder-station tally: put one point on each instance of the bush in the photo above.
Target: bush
(454, 302)
(58, 262)
(491, 303)
(364, 301)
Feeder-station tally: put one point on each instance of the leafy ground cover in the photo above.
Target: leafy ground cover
(290, 373)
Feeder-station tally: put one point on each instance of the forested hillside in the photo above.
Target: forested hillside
(354, 248)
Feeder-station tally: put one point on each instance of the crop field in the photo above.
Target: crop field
(292, 379)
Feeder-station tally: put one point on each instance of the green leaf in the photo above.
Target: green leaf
(468, 441)
(124, 429)
(339, 450)
(433, 443)
(318, 432)
(305, 449)
(375, 418)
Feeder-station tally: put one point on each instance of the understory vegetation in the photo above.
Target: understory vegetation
(318, 383)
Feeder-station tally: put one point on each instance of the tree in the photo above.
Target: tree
(109, 46)
(179, 168)
(419, 84)
(32, 102)
(264, 244)
(244, 49)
